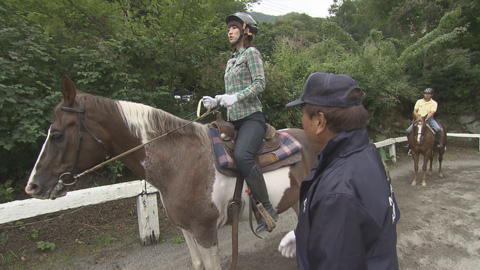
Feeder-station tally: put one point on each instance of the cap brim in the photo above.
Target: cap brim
(295, 103)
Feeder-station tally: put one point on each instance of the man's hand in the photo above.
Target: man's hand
(226, 100)
(288, 245)
(209, 102)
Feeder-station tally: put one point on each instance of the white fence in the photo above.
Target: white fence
(147, 207)
(390, 144)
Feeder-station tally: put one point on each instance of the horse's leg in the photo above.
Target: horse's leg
(415, 167)
(440, 159)
(194, 251)
(426, 158)
(210, 256)
(201, 256)
(431, 161)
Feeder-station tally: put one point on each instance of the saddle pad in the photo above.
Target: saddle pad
(288, 147)
(224, 159)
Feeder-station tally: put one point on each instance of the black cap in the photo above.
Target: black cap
(328, 90)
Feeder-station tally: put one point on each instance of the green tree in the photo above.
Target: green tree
(25, 98)
(436, 60)
(73, 22)
(149, 51)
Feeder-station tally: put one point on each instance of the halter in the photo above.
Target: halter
(81, 116)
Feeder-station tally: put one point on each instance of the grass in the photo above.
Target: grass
(9, 256)
(177, 239)
(50, 258)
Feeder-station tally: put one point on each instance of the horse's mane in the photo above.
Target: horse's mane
(145, 122)
(143, 119)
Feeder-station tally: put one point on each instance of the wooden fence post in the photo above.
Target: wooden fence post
(147, 212)
(392, 152)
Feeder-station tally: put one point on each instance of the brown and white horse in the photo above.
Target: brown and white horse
(87, 128)
(422, 141)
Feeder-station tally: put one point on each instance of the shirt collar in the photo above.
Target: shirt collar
(342, 145)
(239, 51)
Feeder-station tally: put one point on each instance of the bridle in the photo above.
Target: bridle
(419, 125)
(81, 116)
(422, 127)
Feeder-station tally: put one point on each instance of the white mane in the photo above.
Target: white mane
(145, 122)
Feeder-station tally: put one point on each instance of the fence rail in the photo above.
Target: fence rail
(147, 207)
(390, 144)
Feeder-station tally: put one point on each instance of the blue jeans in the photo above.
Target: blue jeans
(432, 122)
(251, 131)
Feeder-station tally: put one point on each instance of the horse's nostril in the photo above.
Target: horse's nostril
(29, 189)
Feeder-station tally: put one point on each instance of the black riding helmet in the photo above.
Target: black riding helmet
(246, 20)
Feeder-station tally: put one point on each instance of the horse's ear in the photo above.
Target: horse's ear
(68, 90)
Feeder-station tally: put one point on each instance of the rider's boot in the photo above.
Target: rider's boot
(439, 136)
(256, 182)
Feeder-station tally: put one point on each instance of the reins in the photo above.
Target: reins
(81, 112)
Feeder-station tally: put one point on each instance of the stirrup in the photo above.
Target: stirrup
(268, 223)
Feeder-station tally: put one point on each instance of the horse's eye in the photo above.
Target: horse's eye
(56, 137)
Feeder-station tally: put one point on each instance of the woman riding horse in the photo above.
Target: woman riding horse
(244, 81)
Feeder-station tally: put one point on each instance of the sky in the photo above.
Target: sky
(314, 8)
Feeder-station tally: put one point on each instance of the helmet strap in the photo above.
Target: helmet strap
(242, 34)
(238, 40)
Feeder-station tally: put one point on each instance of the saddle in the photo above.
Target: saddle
(266, 156)
(228, 134)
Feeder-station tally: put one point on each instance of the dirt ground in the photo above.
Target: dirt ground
(439, 228)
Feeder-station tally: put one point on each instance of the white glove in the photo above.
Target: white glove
(226, 100)
(209, 102)
(288, 245)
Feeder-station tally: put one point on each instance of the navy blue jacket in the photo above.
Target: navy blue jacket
(348, 212)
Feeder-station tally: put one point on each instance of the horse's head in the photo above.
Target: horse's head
(70, 147)
(419, 127)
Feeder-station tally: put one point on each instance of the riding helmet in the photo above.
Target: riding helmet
(428, 90)
(244, 18)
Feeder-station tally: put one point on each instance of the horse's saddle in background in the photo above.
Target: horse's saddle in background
(278, 148)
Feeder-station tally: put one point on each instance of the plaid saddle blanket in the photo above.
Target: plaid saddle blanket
(288, 147)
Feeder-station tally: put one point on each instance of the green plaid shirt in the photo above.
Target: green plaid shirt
(245, 77)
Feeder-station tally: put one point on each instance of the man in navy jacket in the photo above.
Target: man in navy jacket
(348, 213)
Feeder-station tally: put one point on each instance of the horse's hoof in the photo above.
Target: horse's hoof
(424, 184)
(441, 175)
(429, 173)
(414, 183)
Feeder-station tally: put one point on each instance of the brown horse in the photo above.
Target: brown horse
(87, 128)
(422, 141)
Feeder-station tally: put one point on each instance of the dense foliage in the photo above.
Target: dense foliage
(152, 51)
